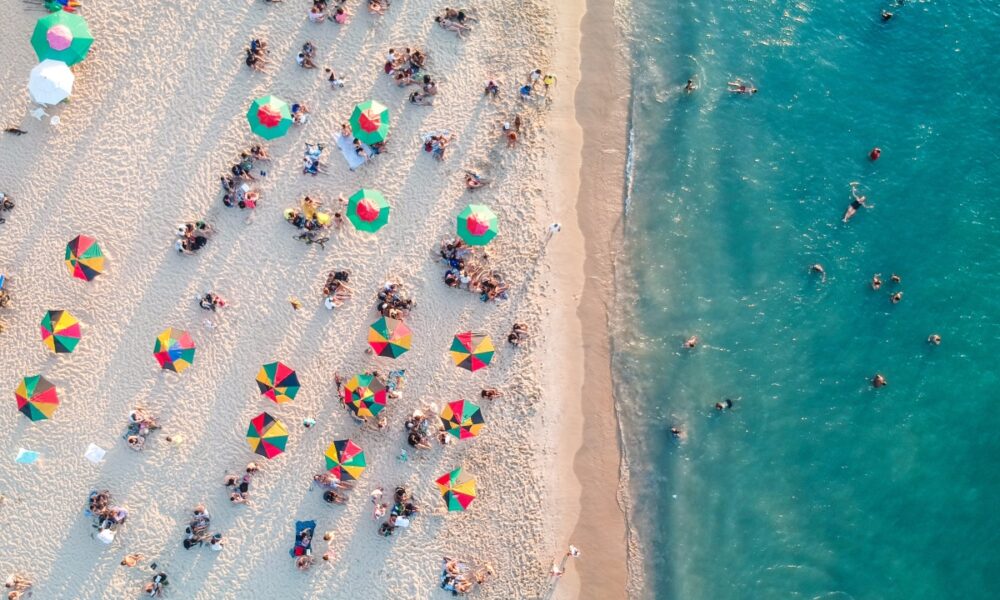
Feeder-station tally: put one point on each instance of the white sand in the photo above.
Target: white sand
(157, 114)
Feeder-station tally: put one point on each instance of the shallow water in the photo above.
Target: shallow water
(814, 485)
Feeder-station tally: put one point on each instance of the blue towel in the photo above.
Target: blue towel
(301, 526)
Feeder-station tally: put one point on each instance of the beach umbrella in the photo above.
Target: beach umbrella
(389, 337)
(84, 258)
(62, 36)
(365, 394)
(477, 225)
(368, 210)
(472, 351)
(462, 419)
(345, 459)
(278, 382)
(50, 82)
(370, 122)
(60, 331)
(267, 436)
(269, 117)
(174, 350)
(36, 398)
(458, 492)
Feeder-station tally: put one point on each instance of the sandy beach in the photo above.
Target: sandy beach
(157, 114)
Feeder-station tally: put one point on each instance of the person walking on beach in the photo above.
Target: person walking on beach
(551, 230)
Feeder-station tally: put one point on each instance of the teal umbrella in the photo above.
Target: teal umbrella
(270, 117)
(62, 36)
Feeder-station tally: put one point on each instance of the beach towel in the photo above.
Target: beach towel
(300, 526)
(346, 145)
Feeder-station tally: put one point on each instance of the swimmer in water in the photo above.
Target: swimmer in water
(690, 86)
(876, 281)
(875, 153)
(738, 87)
(857, 203)
(691, 342)
(886, 15)
(896, 298)
(678, 434)
(879, 381)
(818, 268)
(895, 278)
(721, 406)
(934, 339)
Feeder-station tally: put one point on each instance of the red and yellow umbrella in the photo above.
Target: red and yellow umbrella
(458, 492)
(345, 459)
(278, 382)
(472, 351)
(36, 398)
(365, 395)
(267, 436)
(462, 419)
(174, 350)
(389, 337)
(60, 331)
(84, 258)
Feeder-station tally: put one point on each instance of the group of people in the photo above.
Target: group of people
(192, 236)
(518, 334)
(469, 269)
(436, 142)
(313, 221)
(457, 20)
(20, 587)
(197, 534)
(336, 290)
(403, 510)
(536, 79)
(393, 301)
(422, 426)
(459, 577)
(237, 185)
(334, 490)
(256, 54)
(239, 485)
(4, 293)
(321, 9)
(404, 66)
(140, 425)
(108, 517)
(310, 159)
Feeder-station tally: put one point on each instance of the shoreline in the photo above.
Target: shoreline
(588, 174)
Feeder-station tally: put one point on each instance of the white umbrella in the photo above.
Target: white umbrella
(51, 82)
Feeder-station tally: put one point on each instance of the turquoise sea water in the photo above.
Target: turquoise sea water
(815, 485)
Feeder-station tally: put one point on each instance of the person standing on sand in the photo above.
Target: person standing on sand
(551, 230)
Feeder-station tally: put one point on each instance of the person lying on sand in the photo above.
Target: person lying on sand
(378, 7)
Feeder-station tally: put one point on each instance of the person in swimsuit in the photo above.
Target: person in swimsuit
(857, 203)
(818, 268)
(876, 281)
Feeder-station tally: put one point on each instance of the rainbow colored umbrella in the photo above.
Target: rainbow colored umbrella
(458, 492)
(389, 337)
(370, 122)
(278, 382)
(174, 350)
(365, 394)
(62, 36)
(462, 419)
(36, 398)
(60, 331)
(270, 117)
(84, 258)
(472, 351)
(368, 210)
(267, 436)
(477, 225)
(345, 459)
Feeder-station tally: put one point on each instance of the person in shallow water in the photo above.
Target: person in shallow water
(857, 203)
(879, 381)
